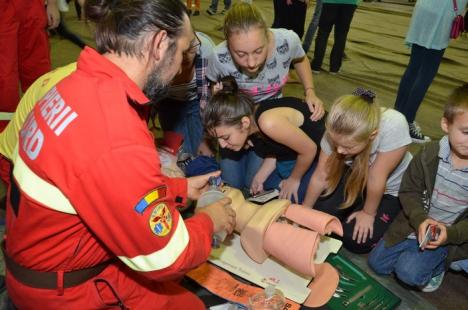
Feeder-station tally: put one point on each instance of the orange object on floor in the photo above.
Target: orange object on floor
(222, 284)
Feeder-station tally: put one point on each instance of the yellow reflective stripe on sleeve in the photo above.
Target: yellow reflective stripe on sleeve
(162, 258)
(38, 189)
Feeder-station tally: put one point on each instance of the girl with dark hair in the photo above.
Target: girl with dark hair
(363, 158)
(279, 130)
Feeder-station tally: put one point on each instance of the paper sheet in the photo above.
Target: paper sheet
(231, 257)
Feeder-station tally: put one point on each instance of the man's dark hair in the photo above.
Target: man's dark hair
(122, 25)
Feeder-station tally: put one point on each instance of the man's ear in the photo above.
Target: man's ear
(159, 45)
(444, 123)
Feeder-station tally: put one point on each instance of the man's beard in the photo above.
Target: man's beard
(156, 87)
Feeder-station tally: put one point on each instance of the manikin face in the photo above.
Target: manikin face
(457, 132)
(249, 50)
(233, 137)
(345, 145)
(170, 64)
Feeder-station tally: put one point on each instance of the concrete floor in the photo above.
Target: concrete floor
(376, 58)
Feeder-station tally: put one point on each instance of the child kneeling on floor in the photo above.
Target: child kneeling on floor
(434, 191)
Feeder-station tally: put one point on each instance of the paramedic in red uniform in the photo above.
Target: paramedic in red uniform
(24, 46)
(91, 221)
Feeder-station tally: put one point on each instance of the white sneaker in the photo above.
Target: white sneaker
(434, 283)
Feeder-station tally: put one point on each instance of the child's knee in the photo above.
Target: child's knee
(377, 257)
(355, 247)
(409, 270)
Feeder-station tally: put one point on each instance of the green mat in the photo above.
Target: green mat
(357, 290)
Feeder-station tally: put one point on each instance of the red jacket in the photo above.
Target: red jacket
(91, 188)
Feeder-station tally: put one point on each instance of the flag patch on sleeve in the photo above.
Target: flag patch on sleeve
(150, 198)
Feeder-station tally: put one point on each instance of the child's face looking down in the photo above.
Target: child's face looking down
(345, 145)
(457, 132)
(249, 49)
(232, 137)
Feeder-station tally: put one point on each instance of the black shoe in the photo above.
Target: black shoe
(210, 12)
(196, 13)
(317, 71)
(416, 135)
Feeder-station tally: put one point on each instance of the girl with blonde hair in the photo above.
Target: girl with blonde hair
(363, 158)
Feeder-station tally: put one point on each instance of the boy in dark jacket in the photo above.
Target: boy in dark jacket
(434, 192)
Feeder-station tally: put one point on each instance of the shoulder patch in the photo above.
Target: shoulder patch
(150, 198)
(160, 220)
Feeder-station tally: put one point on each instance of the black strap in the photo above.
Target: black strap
(14, 193)
(47, 279)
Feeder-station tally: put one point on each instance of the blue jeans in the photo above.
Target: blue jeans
(460, 265)
(411, 265)
(421, 71)
(280, 174)
(214, 5)
(183, 118)
(239, 168)
(312, 26)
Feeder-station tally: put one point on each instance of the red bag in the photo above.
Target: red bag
(458, 24)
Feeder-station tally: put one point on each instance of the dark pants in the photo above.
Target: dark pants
(64, 32)
(387, 211)
(421, 71)
(340, 16)
(291, 17)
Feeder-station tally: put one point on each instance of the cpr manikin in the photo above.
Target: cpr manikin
(291, 234)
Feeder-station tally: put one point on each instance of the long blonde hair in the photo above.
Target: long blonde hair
(356, 117)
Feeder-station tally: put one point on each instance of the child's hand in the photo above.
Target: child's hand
(423, 227)
(256, 186)
(364, 226)
(315, 106)
(441, 239)
(289, 188)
